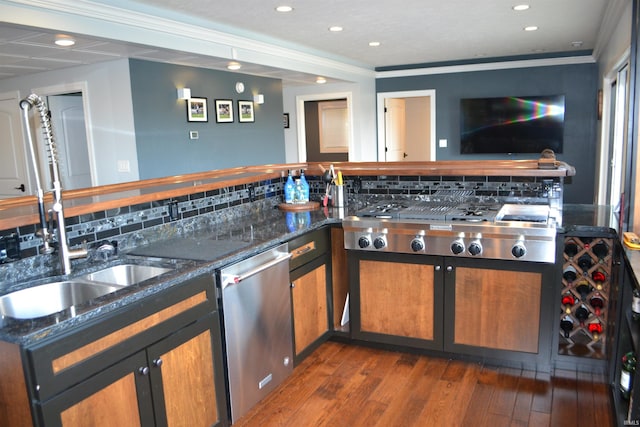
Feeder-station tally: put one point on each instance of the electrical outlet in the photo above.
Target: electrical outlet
(442, 143)
(124, 166)
(193, 134)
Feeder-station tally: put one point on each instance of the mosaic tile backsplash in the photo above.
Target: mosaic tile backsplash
(120, 224)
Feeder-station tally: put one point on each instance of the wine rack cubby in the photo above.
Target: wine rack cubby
(585, 296)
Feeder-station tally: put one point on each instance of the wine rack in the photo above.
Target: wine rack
(585, 296)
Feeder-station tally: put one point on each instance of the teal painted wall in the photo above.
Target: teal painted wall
(162, 130)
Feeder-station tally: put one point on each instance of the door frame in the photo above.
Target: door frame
(382, 96)
(302, 136)
(73, 87)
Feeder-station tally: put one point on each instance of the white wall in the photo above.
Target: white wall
(109, 113)
(363, 117)
(618, 43)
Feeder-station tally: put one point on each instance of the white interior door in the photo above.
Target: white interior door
(395, 130)
(67, 119)
(14, 180)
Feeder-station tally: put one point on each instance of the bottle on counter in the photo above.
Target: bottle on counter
(305, 187)
(298, 193)
(627, 371)
(289, 189)
(569, 274)
(566, 324)
(635, 305)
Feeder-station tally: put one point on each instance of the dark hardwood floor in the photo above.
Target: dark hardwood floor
(348, 385)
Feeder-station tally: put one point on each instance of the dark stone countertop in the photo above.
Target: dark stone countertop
(246, 235)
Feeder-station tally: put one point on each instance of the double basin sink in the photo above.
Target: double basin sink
(49, 298)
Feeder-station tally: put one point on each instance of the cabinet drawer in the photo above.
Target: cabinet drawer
(63, 362)
(308, 247)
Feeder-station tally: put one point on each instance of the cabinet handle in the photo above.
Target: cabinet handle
(144, 370)
(293, 285)
(438, 268)
(449, 268)
(157, 362)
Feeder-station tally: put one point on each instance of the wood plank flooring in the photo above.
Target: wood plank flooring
(348, 385)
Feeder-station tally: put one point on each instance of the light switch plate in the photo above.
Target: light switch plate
(442, 143)
(193, 134)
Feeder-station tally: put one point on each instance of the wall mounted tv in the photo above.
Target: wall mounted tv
(514, 124)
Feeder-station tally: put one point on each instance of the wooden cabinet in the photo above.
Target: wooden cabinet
(310, 291)
(487, 308)
(157, 362)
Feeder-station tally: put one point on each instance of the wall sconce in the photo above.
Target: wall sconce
(184, 93)
(258, 99)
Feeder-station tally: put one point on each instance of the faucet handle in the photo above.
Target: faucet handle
(107, 249)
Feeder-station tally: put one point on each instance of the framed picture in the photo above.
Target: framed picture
(197, 110)
(224, 111)
(286, 120)
(245, 111)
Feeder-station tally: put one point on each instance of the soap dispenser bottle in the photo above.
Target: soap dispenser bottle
(305, 187)
(289, 189)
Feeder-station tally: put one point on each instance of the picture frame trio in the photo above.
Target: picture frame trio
(197, 111)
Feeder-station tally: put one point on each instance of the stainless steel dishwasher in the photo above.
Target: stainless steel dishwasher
(256, 311)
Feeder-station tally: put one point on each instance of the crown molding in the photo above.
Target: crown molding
(487, 66)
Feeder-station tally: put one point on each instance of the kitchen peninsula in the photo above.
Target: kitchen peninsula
(240, 205)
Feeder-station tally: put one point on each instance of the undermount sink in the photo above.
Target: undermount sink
(50, 298)
(126, 274)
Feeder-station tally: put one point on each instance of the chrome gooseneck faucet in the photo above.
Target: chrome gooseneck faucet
(66, 254)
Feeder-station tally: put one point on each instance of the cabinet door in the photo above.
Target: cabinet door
(309, 300)
(186, 377)
(118, 395)
(397, 301)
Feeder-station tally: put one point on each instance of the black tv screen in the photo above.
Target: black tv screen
(514, 124)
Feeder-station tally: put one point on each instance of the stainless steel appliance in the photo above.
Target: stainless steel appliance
(454, 228)
(256, 309)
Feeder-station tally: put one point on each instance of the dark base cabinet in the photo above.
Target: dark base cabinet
(478, 308)
(158, 363)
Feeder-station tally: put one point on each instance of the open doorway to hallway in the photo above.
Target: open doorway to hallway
(406, 126)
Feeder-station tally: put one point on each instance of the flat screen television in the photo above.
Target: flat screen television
(513, 124)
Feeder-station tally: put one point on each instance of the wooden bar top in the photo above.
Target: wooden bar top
(21, 211)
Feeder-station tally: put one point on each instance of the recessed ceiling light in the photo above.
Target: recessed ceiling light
(530, 28)
(335, 29)
(64, 40)
(234, 66)
(284, 9)
(321, 80)
(374, 44)
(520, 7)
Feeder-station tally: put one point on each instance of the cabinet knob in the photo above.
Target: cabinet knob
(157, 362)
(293, 285)
(449, 268)
(438, 268)
(143, 370)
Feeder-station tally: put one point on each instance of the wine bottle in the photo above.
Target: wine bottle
(601, 250)
(570, 248)
(582, 314)
(569, 274)
(597, 303)
(585, 262)
(627, 371)
(595, 328)
(599, 277)
(584, 289)
(568, 300)
(566, 324)
(635, 305)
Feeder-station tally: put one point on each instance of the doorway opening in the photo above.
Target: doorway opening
(325, 131)
(68, 107)
(406, 126)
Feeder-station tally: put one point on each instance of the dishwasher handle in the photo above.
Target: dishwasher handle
(229, 279)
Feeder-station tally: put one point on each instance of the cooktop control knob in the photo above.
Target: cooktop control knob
(457, 247)
(364, 242)
(518, 250)
(417, 244)
(475, 248)
(379, 242)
